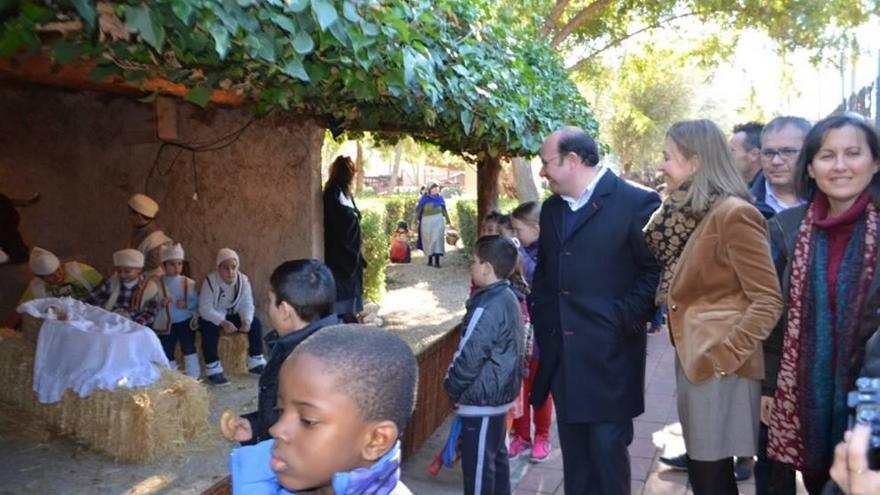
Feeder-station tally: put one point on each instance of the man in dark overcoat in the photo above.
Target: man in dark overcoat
(592, 294)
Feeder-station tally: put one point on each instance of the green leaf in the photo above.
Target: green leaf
(10, 41)
(140, 19)
(297, 5)
(103, 71)
(150, 98)
(183, 10)
(64, 52)
(466, 121)
(325, 13)
(199, 95)
(221, 39)
(303, 43)
(294, 68)
(349, 11)
(86, 10)
(284, 22)
(266, 49)
(35, 12)
(370, 29)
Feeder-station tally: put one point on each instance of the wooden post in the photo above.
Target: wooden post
(487, 186)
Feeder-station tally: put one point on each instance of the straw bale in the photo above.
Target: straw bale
(138, 425)
(232, 349)
(30, 327)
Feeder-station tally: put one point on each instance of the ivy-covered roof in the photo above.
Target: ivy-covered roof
(439, 70)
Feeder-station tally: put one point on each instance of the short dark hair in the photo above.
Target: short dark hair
(779, 123)
(575, 140)
(501, 219)
(374, 367)
(307, 285)
(806, 185)
(499, 252)
(752, 130)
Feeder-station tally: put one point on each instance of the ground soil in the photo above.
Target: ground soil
(421, 303)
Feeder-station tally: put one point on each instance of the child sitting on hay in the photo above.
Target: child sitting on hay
(128, 292)
(175, 320)
(346, 395)
(300, 303)
(401, 252)
(226, 303)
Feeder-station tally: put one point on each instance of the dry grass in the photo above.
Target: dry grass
(128, 424)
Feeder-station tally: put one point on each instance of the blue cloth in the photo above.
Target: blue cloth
(174, 285)
(251, 474)
(449, 451)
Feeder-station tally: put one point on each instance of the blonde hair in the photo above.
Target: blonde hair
(528, 212)
(716, 173)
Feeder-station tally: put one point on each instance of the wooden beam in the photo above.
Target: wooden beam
(40, 69)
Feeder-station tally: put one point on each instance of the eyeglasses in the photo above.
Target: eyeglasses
(546, 161)
(785, 153)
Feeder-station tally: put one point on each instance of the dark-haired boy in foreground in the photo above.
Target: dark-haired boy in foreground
(346, 394)
(486, 373)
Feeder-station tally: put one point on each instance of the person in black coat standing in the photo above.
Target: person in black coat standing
(343, 240)
(592, 294)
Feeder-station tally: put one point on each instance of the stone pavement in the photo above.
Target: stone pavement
(657, 433)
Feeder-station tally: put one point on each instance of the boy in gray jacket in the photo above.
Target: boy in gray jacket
(486, 372)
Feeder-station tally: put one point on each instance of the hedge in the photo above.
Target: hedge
(375, 250)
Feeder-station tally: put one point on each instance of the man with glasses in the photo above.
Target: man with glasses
(592, 293)
(781, 141)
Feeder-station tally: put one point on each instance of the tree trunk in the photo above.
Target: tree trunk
(526, 189)
(359, 169)
(395, 166)
(487, 187)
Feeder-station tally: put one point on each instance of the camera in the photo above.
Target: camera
(865, 401)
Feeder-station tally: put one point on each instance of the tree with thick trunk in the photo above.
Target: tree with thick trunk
(526, 189)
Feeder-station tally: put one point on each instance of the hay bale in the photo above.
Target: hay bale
(30, 327)
(128, 424)
(232, 349)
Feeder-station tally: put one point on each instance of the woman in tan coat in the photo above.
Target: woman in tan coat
(723, 299)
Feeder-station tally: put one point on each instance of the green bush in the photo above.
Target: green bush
(375, 249)
(466, 221)
(402, 208)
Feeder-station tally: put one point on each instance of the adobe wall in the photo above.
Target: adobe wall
(85, 153)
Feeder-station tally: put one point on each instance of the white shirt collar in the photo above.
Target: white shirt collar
(577, 203)
(774, 202)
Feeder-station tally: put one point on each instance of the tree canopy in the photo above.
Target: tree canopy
(439, 70)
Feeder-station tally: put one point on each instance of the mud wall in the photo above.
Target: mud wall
(86, 152)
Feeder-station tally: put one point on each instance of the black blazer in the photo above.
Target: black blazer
(342, 245)
(592, 294)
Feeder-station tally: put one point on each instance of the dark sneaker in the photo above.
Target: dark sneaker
(679, 463)
(257, 370)
(217, 379)
(743, 468)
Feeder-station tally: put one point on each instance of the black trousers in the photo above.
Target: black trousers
(771, 477)
(712, 477)
(179, 332)
(595, 459)
(484, 455)
(211, 336)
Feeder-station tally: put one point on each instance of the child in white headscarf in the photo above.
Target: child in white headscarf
(128, 291)
(226, 304)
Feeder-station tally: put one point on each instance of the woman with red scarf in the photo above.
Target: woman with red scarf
(832, 292)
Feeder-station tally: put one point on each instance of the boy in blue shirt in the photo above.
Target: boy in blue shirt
(486, 372)
(345, 396)
(175, 320)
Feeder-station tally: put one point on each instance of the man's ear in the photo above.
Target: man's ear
(754, 153)
(381, 436)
